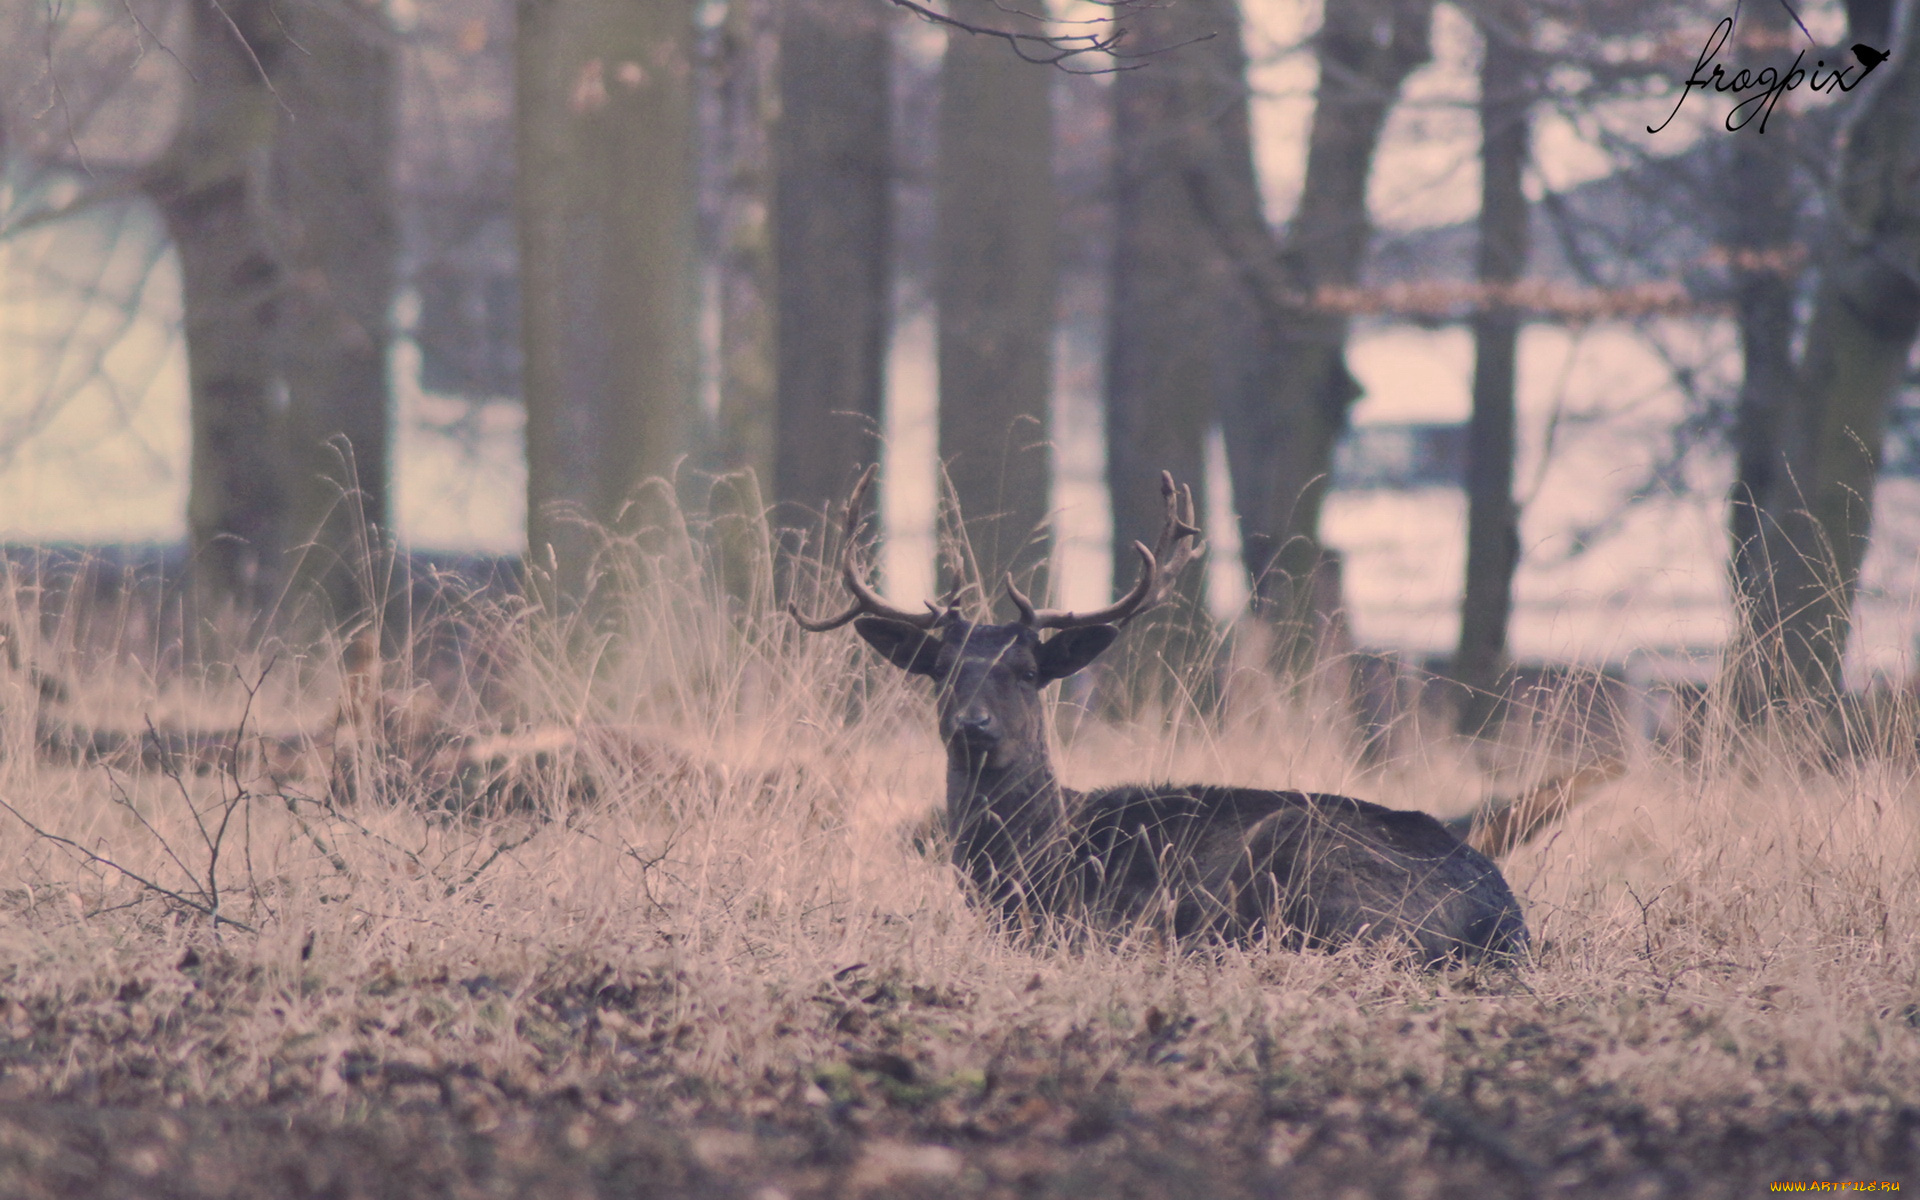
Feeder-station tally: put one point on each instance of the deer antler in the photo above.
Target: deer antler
(866, 601)
(1178, 545)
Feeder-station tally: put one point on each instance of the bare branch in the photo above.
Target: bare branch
(1055, 49)
(211, 911)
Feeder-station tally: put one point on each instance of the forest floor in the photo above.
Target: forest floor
(722, 965)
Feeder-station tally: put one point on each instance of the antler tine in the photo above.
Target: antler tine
(1119, 610)
(1180, 515)
(866, 601)
(1027, 615)
(1180, 541)
(946, 605)
(1178, 545)
(822, 624)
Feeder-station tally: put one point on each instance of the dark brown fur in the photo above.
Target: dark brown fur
(1192, 862)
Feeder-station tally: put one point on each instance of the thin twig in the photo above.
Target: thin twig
(502, 848)
(1053, 50)
(332, 856)
(120, 797)
(100, 859)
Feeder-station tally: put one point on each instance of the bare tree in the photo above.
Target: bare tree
(1815, 515)
(1806, 429)
(211, 185)
(273, 186)
(1166, 300)
(1283, 433)
(831, 238)
(1493, 526)
(339, 225)
(996, 281)
(607, 231)
(745, 64)
(1757, 217)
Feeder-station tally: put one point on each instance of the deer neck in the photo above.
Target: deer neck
(1008, 820)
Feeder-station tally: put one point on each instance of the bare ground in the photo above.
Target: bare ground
(1371, 1079)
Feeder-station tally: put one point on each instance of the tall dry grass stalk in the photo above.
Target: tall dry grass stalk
(756, 937)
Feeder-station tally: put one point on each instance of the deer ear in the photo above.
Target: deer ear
(909, 647)
(1072, 649)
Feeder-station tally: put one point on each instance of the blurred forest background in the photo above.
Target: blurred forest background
(1469, 368)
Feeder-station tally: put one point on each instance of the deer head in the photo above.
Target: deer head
(989, 675)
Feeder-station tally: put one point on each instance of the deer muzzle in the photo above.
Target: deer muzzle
(975, 726)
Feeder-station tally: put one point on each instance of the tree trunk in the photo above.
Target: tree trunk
(749, 105)
(340, 228)
(742, 446)
(1162, 357)
(210, 186)
(1866, 312)
(1165, 312)
(831, 239)
(995, 288)
(1493, 524)
(607, 227)
(1281, 437)
(1757, 213)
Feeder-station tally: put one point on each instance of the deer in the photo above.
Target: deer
(1192, 863)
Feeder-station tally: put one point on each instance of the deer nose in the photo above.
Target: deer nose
(974, 723)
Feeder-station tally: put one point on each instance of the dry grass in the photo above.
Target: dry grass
(744, 981)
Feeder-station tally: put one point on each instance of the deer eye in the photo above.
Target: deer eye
(1029, 676)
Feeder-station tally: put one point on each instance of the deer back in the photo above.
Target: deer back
(1308, 869)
